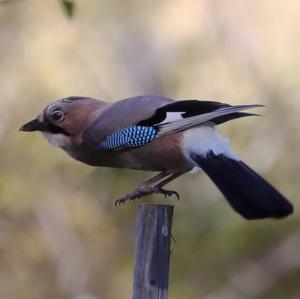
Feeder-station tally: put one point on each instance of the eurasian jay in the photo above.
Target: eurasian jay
(160, 134)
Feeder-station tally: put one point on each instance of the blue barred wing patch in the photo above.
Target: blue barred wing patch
(130, 137)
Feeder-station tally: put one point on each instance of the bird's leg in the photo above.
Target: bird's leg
(154, 185)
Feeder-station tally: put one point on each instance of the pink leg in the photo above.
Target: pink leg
(154, 185)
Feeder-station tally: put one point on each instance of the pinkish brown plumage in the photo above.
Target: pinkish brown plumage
(159, 134)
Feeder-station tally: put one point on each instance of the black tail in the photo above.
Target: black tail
(247, 192)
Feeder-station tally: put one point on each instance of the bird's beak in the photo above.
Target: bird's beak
(34, 125)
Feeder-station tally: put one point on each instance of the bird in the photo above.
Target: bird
(159, 134)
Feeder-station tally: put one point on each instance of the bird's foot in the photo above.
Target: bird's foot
(167, 193)
(144, 190)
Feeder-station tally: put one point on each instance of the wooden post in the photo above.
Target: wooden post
(152, 251)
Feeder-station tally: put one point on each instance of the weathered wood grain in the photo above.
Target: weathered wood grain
(152, 251)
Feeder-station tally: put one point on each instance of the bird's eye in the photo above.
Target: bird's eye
(57, 115)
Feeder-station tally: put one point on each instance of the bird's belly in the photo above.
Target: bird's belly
(164, 154)
(153, 160)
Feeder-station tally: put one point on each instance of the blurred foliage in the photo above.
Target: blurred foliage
(60, 236)
(68, 7)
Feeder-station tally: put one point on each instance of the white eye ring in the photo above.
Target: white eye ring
(57, 115)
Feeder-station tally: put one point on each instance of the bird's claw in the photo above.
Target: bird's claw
(142, 191)
(129, 196)
(169, 193)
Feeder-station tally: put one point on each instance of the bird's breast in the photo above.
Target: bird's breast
(163, 154)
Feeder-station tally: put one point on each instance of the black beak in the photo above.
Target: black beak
(34, 125)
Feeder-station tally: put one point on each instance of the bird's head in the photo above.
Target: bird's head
(63, 121)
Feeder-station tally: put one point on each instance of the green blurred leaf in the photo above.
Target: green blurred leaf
(69, 7)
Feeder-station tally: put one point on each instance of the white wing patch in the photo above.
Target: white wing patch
(181, 124)
(204, 139)
(172, 116)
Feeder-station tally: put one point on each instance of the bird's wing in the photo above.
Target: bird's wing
(171, 118)
(203, 112)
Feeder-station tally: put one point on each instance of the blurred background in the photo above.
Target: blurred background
(60, 236)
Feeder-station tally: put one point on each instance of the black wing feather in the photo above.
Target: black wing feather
(191, 108)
